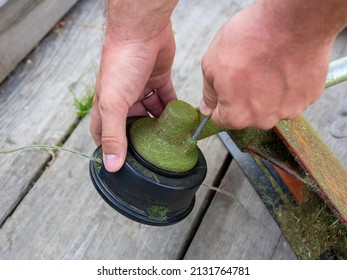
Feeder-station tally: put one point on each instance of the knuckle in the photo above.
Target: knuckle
(209, 99)
(269, 122)
(203, 62)
(267, 125)
(234, 121)
(107, 104)
(116, 103)
(263, 121)
(206, 67)
(110, 99)
(110, 143)
(292, 113)
(110, 140)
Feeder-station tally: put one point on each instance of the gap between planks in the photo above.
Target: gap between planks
(205, 206)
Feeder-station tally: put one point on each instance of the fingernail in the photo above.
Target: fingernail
(204, 109)
(111, 162)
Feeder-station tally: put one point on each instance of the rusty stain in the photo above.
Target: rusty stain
(296, 187)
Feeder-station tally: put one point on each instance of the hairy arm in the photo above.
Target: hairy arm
(137, 19)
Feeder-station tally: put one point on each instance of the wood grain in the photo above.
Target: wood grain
(23, 24)
(329, 114)
(36, 105)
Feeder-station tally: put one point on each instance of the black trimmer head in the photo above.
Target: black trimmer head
(144, 193)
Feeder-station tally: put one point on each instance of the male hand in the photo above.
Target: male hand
(262, 68)
(137, 56)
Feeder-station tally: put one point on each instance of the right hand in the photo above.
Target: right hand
(259, 70)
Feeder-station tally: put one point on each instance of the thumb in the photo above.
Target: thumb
(107, 127)
(119, 83)
(110, 109)
(113, 114)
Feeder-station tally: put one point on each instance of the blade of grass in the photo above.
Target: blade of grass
(49, 147)
(229, 194)
(83, 104)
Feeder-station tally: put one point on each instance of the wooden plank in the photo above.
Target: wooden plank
(328, 175)
(36, 105)
(329, 114)
(229, 232)
(22, 25)
(3, 2)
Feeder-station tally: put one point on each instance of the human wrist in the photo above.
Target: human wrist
(133, 20)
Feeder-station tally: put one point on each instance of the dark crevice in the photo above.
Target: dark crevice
(26, 190)
(204, 207)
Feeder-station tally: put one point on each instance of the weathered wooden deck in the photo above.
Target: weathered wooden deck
(49, 208)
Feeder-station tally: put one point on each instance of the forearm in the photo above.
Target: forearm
(137, 19)
(307, 20)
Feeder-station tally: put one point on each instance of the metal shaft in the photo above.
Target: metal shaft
(337, 72)
(200, 127)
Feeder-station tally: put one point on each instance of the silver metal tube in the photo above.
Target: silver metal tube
(200, 127)
(337, 72)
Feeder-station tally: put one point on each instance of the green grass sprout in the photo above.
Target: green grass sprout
(83, 104)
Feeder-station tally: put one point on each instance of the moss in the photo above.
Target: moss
(158, 212)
